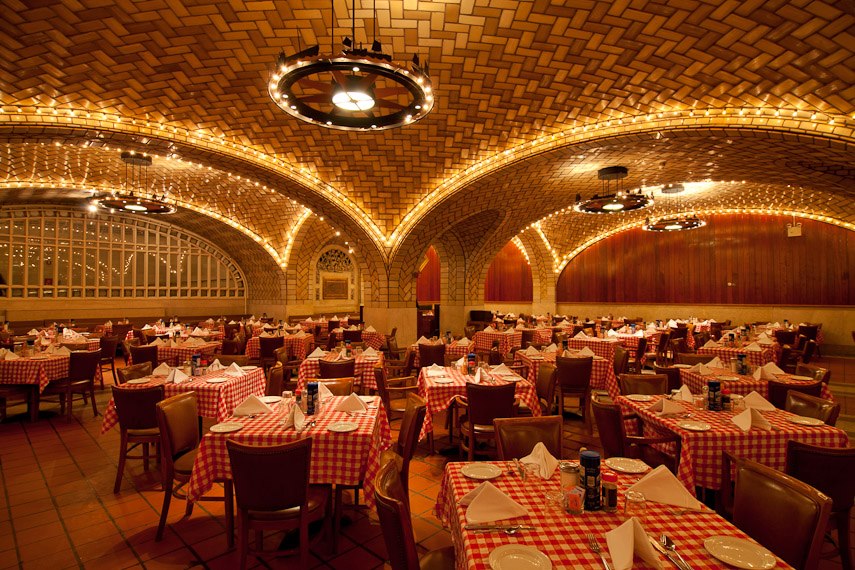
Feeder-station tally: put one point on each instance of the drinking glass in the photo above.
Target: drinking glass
(635, 505)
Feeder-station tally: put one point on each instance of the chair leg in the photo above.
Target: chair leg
(229, 497)
(164, 510)
(472, 440)
(123, 450)
(336, 520)
(145, 456)
(95, 413)
(843, 539)
(69, 403)
(115, 380)
(243, 539)
(304, 540)
(101, 370)
(188, 509)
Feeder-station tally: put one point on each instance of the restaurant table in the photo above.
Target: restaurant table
(371, 339)
(350, 458)
(630, 341)
(363, 371)
(542, 335)
(700, 457)
(726, 354)
(454, 351)
(604, 347)
(175, 355)
(602, 371)
(437, 395)
(35, 372)
(298, 346)
(562, 537)
(214, 400)
(91, 343)
(507, 340)
(742, 384)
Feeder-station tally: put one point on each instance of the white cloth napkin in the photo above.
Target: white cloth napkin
(750, 418)
(488, 328)
(764, 373)
(612, 333)
(585, 352)
(666, 407)
(318, 353)
(672, 324)
(232, 323)
(370, 353)
(295, 418)
(422, 340)
(711, 344)
(715, 363)
(758, 402)
(501, 370)
(701, 369)
(510, 331)
(776, 325)
(62, 351)
(176, 376)
(324, 393)
(146, 327)
(581, 334)
(630, 540)
(353, 328)
(157, 342)
(234, 370)
(551, 348)
(266, 335)
(564, 323)
(479, 375)
(163, 369)
(352, 403)
(33, 332)
(531, 351)
(684, 394)
(519, 326)
(540, 456)
(8, 355)
(460, 362)
(568, 354)
(463, 342)
(487, 504)
(198, 332)
(369, 328)
(660, 486)
(172, 342)
(639, 333)
(753, 347)
(252, 405)
(434, 371)
(108, 324)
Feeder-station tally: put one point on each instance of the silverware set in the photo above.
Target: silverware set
(595, 548)
(507, 529)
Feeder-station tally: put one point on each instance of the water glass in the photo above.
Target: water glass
(635, 505)
(554, 500)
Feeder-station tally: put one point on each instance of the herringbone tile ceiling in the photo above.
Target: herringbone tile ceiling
(505, 73)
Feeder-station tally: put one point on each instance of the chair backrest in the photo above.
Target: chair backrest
(227, 359)
(177, 418)
(352, 336)
(778, 391)
(430, 354)
(267, 344)
(134, 371)
(826, 469)
(692, 358)
(794, 515)
(140, 354)
(394, 514)
(816, 372)
(574, 374)
(663, 345)
(785, 337)
(621, 360)
(140, 335)
(121, 331)
(810, 406)
(275, 378)
(338, 386)
(382, 391)
(516, 437)
(331, 324)
(673, 374)
(809, 349)
(545, 384)
(108, 345)
(810, 331)
(642, 349)
(231, 346)
(408, 436)
(337, 369)
(487, 403)
(83, 364)
(271, 477)
(229, 331)
(650, 384)
(281, 355)
(527, 337)
(136, 408)
(610, 426)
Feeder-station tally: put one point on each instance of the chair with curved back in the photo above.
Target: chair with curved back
(337, 386)
(691, 358)
(785, 337)
(108, 345)
(268, 344)
(649, 384)
(352, 336)
(544, 385)
(812, 407)
(275, 380)
(830, 471)
(816, 372)
(140, 354)
(516, 437)
(778, 391)
(337, 369)
(634, 362)
(272, 492)
(621, 360)
(408, 435)
(808, 351)
(660, 354)
(483, 404)
(82, 369)
(228, 359)
(230, 346)
(389, 387)
(136, 410)
(430, 354)
(134, 371)
(673, 374)
(573, 378)
(527, 338)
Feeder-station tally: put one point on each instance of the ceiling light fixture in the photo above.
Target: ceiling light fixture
(355, 89)
(674, 224)
(135, 185)
(613, 198)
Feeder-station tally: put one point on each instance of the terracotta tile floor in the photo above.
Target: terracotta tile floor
(58, 510)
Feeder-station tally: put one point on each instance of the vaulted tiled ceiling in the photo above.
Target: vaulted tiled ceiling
(505, 73)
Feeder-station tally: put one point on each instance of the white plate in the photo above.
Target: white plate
(640, 397)
(271, 399)
(248, 368)
(730, 378)
(627, 465)
(694, 426)
(481, 471)
(682, 366)
(40, 357)
(139, 381)
(805, 421)
(806, 378)
(443, 380)
(342, 427)
(226, 427)
(367, 399)
(739, 552)
(218, 380)
(518, 557)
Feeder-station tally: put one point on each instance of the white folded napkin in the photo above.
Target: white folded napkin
(701, 369)
(234, 370)
(651, 328)
(317, 353)
(295, 418)
(194, 342)
(463, 342)
(197, 332)
(434, 371)
(216, 365)
(163, 369)
(758, 402)
(715, 363)
(422, 340)
(252, 405)
(108, 324)
(753, 347)
(33, 332)
(335, 318)
(157, 342)
(765, 341)
(661, 486)
(639, 333)
(762, 374)
(324, 393)
(352, 403)
(353, 328)
(369, 328)
(510, 331)
(711, 344)
(684, 394)
(9, 355)
(479, 375)
(545, 462)
(581, 334)
(564, 323)
(460, 362)
(488, 328)
(777, 325)
(176, 376)
(611, 332)
(267, 335)
(666, 407)
(672, 324)
(568, 354)
(232, 323)
(501, 370)
(531, 351)
(370, 352)
(487, 504)
(62, 351)
(585, 352)
(340, 356)
(173, 343)
(551, 348)
(628, 541)
(146, 327)
(750, 418)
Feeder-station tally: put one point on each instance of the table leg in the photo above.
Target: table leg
(33, 403)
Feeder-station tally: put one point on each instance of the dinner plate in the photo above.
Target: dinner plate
(682, 366)
(226, 427)
(342, 427)
(807, 378)
(367, 399)
(729, 378)
(627, 465)
(805, 421)
(443, 380)
(518, 557)
(481, 471)
(139, 381)
(218, 380)
(40, 357)
(694, 426)
(271, 399)
(640, 397)
(740, 552)
(248, 368)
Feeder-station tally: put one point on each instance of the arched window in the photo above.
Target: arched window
(335, 277)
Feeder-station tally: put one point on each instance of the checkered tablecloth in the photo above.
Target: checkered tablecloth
(542, 335)
(700, 458)
(297, 346)
(40, 370)
(630, 341)
(484, 340)
(91, 343)
(562, 537)
(726, 354)
(175, 355)
(216, 401)
(745, 383)
(363, 372)
(439, 395)
(602, 372)
(602, 347)
(452, 350)
(337, 458)
(373, 339)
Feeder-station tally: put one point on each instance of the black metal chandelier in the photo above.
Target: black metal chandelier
(613, 199)
(135, 183)
(674, 223)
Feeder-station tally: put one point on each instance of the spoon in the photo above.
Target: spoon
(671, 547)
(510, 531)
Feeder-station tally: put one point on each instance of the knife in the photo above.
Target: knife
(497, 527)
(667, 554)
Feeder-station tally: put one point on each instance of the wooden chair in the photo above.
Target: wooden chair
(778, 391)
(275, 376)
(621, 360)
(651, 384)
(230, 346)
(108, 345)
(14, 393)
(136, 410)
(616, 442)
(691, 358)
(673, 374)
(573, 376)
(481, 406)
(785, 337)
(273, 493)
(408, 435)
(812, 407)
(516, 437)
(337, 369)
(338, 386)
(268, 344)
(177, 419)
(134, 371)
(394, 391)
(430, 354)
(544, 385)
(816, 372)
(634, 362)
(229, 359)
(82, 367)
(140, 354)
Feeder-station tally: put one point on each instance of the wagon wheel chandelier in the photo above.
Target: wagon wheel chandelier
(135, 184)
(678, 223)
(356, 89)
(614, 199)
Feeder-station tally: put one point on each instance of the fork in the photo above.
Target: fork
(595, 548)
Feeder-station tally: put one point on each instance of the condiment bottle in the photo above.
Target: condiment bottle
(590, 463)
(610, 501)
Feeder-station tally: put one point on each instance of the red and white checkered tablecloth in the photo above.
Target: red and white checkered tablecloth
(726, 354)
(602, 372)
(439, 395)
(561, 536)
(175, 355)
(297, 346)
(363, 372)
(91, 343)
(700, 457)
(542, 335)
(216, 401)
(600, 346)
(744, 385)
(373, 339)
(507, 341)
(452, 350)
(40, 370)
(347, 458)
(630, 341)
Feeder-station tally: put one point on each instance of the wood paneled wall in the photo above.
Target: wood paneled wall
(742, 259)
(428, 283)
(509, 277)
